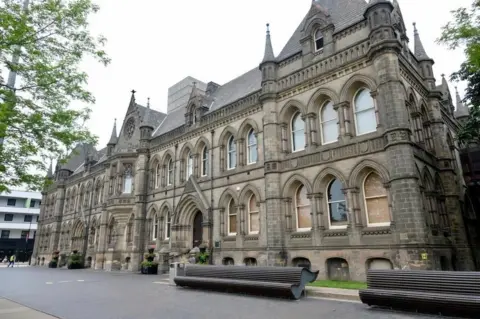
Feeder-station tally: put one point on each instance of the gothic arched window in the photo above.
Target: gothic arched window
(298, 132)
(189, 165)
(251, 147)
(158, 171)
(302, 209)
(253, 216)
(231, 153)
(376, 201)
(232, 218)
(168, 224)
(204, 161)
(318, 40)
(364, 107)
(328, 123)
(127, 180)
(170, 172)
(337, 205)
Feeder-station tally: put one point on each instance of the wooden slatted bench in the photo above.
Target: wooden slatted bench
(454, 293)
(269, 281)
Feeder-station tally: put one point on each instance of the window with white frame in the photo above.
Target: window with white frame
(251, 147)
(170, 172)
(127, 180)
(376, 201)
(155, 227)
(189, 169)
(364, 107)
(168, 224)
(337, 205)
(158, 171)
(205, 161)
(253, 216)
(318, 40)
(328, 123)
(231, 153)
(232, 218)
(298, 132)
(302, 209)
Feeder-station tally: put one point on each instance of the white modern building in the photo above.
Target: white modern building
(19, 214)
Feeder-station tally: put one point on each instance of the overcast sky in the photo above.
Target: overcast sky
(154, 44)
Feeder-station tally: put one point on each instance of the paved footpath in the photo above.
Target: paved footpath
(12, 310)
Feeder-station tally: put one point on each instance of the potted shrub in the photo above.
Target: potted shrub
(75, 260)
(54, 262)
(149, 267)
(203, 255)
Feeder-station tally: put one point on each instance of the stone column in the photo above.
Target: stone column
(312, 123)
(241, 152)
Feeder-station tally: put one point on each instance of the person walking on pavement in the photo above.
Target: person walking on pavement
(12, 261)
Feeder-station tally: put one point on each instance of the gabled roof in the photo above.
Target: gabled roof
(343, 13)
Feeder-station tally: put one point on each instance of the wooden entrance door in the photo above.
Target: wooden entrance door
(197, 229)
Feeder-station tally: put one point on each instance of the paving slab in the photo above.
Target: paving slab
(333, 293)
(13, 310)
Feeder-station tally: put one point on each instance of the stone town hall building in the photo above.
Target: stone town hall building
(338, 152)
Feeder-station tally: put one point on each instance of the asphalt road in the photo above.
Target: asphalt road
(85, 294)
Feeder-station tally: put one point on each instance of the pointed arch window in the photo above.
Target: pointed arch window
(376, 201)
(205, 161)
(337, 205)
(232, 218)
(189, 165)
(329, 123)
(364, 107)
(231, 153)
(168, 224)
(251, 147)
(127, 180)
(302, 209)
(318, 40)
(298, 132)
(155, 227)
(253, 216)
(170, 172)
(158, 171)
(130, 231)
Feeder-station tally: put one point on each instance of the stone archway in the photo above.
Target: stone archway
(197, 229)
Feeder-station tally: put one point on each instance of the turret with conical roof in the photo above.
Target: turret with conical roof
(268, 66)
(50, 171)
(147, 125)
(424, 61)
(382, 33)
(113, 139)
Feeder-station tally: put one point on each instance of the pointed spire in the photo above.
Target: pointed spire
(268, 56)
(148, 103)
(132, 104)
(50, 170)
(420, 53)
(147, 119)
(113, 137)
(462, 110)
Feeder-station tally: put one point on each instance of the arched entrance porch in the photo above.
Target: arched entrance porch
(197, 229)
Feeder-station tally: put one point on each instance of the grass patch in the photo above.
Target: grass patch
(339, 284)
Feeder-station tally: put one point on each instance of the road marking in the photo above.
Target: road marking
(64, 281)
(49, 283)
(80, 280)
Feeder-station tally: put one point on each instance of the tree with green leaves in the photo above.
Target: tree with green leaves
(43, 43)
(464, 31)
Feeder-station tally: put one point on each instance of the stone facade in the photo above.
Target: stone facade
(338, 153)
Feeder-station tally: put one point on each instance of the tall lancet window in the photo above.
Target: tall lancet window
(127, 180)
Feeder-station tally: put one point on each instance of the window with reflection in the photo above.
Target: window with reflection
(365, 119)
(231, 153)
(298, 132)
(127, 180)
(155, 227)
(204, 161)
(337, 205)
(302, 209)
(318, 40)
(376, 201)
(253, 216)
(168, 224)
(251, 147)
(170, 172)
(232, 218)
(158, 171)
(329, 123)
(189, 165)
